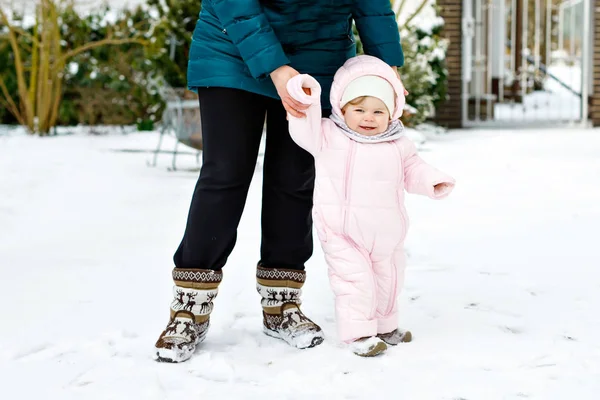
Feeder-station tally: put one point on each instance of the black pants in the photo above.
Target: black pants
(232, 125)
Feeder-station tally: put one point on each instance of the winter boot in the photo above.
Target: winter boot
(395, 337)
(194, 292)
(282, 318)
(368, 346)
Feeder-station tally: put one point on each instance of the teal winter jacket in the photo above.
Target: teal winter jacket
(238, 43)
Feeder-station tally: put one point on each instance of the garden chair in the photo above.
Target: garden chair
(181, 119)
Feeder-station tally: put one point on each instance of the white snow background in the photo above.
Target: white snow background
(502, 287)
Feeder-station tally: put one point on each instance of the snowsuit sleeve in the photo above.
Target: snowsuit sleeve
(307, 132)
(420, 177)
(378, 30)
(250, 31)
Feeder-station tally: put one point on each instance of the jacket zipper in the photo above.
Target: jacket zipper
(347, 181)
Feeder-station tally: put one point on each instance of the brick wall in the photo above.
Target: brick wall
(595, 98)
(449, 114)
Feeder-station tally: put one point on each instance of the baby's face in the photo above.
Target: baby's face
(370, 117)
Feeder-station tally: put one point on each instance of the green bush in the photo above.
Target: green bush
(111, 85)
(424, 72)
(122, 85)
(117, 84)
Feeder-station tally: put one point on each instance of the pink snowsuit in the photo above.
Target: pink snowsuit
(359, 209)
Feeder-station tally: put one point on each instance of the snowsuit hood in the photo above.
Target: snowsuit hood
(362, 66)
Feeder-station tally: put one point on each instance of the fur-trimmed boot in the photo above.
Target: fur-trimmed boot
(193, 295)
(281, 290)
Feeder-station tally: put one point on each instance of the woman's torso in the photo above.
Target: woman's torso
(316, 36)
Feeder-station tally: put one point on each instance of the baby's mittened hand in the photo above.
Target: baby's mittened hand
(442, 188)
(304, 89)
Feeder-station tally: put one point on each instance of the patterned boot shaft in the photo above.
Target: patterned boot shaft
(281, 291)
(193, 296)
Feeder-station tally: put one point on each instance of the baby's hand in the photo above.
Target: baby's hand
(442, 188)
(304, 89)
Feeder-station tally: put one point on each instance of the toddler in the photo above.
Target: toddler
(363, 165)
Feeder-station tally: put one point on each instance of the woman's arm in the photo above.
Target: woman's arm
(250, 31)
(378, 30)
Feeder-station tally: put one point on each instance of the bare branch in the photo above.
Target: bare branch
(91, 45)
(417, 11)
(398, 6)
(23, 32)
(3, 17)
(10, 103)
(57, 83)
(18, 65)
(34, 68)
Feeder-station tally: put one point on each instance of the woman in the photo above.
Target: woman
(243, 54)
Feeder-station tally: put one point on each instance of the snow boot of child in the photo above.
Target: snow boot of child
(193, 295)
(368, 346)
(395, 337)
(281, 290)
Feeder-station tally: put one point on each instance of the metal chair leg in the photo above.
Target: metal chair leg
(160, 139)
(175, 155)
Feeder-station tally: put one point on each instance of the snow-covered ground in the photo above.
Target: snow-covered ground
(502, 289)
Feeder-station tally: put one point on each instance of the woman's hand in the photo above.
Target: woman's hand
(400, 79)
(280, 78)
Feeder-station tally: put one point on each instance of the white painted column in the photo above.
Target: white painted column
(468, 32)
(586, 76)
(498, 42)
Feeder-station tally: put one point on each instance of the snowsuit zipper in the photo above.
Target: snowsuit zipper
(347, 185)
(394, 271)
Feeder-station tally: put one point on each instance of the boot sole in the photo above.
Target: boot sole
(375, 351)
(164, 359)
(274, 334)
(168, 356)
